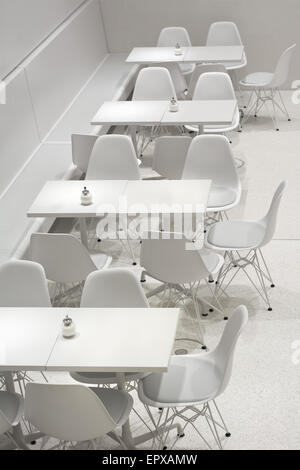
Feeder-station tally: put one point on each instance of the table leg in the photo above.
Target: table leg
(126, 430)
(83, 231)
(17, 430)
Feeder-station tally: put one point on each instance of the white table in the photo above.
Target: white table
(62, 199)
(130, 113)
(115, 340)
(209, 54)
(151, 113)
(209, 112)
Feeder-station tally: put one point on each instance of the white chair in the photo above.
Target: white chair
(226, 33)
(65, 260)
(211, 157)
(23, 284)
(178, 79)
(76, 413)
(265, 86)
(192, 384)
(173, 35)
(169, 156)
(113, 288)
(167, 258)
(242, 242)
(216, 86)
(82, 146)
(199, 70)
(153, 83)
(113, 158)
(11, 413)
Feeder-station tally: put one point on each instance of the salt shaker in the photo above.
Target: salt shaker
(86, 197)
(178, 50)
(173, 105)
(69, 328)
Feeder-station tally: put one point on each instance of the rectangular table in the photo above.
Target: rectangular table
(151, 113)
(130, 113)
(202, 54)
(209, 112)
(62, 198)
(115, 340)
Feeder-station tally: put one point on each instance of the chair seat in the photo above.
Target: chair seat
(258, 79)
(189, 380)
(103, 378)
(187, 69)
(11, 406)
(235, 235)
(117, 403)
(212, 261)
(221, 197)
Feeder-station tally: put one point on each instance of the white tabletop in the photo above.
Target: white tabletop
(118, 113)
(202, 112)
(62, 198)
(27, 336)
(117, 340)
(212, 54)
(156, 55)
(167, 197)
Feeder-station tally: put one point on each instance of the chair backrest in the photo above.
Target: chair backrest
(82, 146)
(63, 257)
(282, 70)
(113, 158)
(7, 418)
(172, 35)
(223, 354)
(23, 284)
(154, 83)
(214, 86)
(67, 412)
(223, 33)
(178, 79)
(168, 259)
(211, 157)
(113, 288)
(270, 218)
(198, 71)
(169, 156)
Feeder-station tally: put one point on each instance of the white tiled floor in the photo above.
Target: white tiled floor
(262, 402)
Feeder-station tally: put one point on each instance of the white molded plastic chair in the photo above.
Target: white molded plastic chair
(64, 258)
(226, 33)
(82, 146)
(242, 242)
(216, 86)
(169, 156)
(154, 83)
(172, 35)
(11, 412)
(265, 86)
(76, 413)
(113, 158)
(112, 288)
(23, 284)
(193, 382)
(180, 266)
(199, 70)
(211, 157)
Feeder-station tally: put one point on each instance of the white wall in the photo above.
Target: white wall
(26, 23)
(267, 26)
